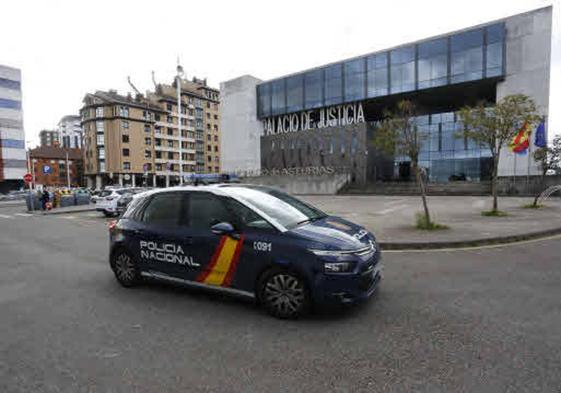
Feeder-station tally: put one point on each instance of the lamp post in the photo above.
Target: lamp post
(178, 85)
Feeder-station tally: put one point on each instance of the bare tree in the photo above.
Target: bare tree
(398, 134)
(493, 127)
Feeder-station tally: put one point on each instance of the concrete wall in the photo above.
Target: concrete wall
(324, 185)
(526, 186)
(528, 58)
(240, 145)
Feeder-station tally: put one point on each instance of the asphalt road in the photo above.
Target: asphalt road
(482, 320)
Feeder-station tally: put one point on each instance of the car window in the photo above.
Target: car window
(205, 210)
(245, 217)
(105, 193)
(163, 209)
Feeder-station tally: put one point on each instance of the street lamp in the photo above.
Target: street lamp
(178, 85)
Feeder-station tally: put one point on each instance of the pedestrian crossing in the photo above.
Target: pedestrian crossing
(90, 217)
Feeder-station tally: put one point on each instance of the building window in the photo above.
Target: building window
(191, 112)
(433, 63)
(147, 115)
(101, 153)
(146, 127)
(126, 152)
(467, 56)
(216, 149)
(170, 131)
(125, 138)
(170, 143)
(157, 117)
(169, 119)
(216, 138)
(124, 111)
(157, 130)
(494, 50)
(158, 167)
(147, 141)
(99, 111)
(99, 126)
(208, 116)
(169, 107)
(208, 126)
(126, 166)
(277, 97)
(102, 166)
(100, 139)
(147, 154)
(313, 89)
(294, 93)
(216, 159)
(147, 167)
(184, 122)
(355, 79)
(158, 154)
(377, 75)
(157, 142)
(124, 124)
(208, 137)
(333, 84)
(209, 148)
(170, 155)
(402, 73)
(209, 158)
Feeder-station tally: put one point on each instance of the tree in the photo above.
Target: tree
(493, 127)
(547, 158)
(398, 134)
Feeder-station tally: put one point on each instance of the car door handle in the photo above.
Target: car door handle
(138, 232)
(188, 240)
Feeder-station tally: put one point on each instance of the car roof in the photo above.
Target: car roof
(218, 189)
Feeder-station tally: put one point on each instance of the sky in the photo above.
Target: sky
(67, 48)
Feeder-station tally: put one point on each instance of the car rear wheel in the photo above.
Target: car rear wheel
(283, 294)
(125, 269)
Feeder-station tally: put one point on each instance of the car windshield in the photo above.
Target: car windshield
(283, 208)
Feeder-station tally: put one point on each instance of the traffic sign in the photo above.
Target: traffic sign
(27, 178)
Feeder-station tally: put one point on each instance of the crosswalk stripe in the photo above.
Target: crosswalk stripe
(24, 214)
(69, 217)
(5, 216)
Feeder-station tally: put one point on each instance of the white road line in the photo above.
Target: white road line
(24, 214)
(390, 209)
(69, 217)
(5, 216)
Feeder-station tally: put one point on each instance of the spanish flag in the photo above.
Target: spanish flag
(521, 141)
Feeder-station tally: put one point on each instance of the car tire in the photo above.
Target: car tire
(125, 268)
(283, 293)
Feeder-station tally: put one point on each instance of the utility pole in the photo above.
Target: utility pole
(178, 85)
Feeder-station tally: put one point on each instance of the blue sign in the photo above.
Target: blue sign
(47, 169)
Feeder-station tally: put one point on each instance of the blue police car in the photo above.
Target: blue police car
(247, 240)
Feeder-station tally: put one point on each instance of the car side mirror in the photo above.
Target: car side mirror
(224, 228)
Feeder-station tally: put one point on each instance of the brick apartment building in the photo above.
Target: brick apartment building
(50, 165)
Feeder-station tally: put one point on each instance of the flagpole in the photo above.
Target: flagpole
(529, 158)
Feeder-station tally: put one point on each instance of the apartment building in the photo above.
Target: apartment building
(13, 161)
(135, 140)
(49, 138)
(70, 131)
(56, 166)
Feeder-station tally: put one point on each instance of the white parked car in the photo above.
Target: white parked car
(107, 200)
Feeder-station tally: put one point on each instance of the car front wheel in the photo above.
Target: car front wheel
(283, 294)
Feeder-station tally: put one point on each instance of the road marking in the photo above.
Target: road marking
(69, 217)
(5, 216)
(489, 246)
(390, 209)
(24, 214)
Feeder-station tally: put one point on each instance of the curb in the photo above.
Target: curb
(55, 212)
(468, 243)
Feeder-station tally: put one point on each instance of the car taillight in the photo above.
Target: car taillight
(112, 225)
(109, 198)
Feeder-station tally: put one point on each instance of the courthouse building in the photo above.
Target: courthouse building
(327, 116)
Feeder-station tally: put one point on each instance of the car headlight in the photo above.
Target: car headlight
(329, 253)
(338, 267)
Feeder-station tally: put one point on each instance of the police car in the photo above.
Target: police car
(246, 240)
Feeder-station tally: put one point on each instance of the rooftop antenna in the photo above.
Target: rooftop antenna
(133, 86)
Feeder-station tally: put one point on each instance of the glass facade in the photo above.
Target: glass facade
(467, 56)
(445, 153)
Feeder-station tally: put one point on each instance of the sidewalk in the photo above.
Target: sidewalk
(392, 219)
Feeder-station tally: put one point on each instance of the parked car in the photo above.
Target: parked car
(107, 200)
(127, 198)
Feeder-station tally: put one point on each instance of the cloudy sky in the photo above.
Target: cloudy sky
(67, 48)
